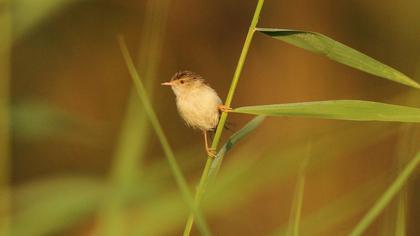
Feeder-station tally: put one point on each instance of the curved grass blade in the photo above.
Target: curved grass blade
(236, 137)
(383, 201)
(339, 110)
(336, 51)
(179, 178)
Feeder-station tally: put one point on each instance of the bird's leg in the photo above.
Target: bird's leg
(210, 151)
(224, 108)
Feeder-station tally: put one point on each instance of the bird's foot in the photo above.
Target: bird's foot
(211, 152)
(224, 108)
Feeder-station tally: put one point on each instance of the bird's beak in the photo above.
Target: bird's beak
(167, 83)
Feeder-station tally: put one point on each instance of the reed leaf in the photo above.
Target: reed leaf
(336, 51)
(339, 110)
(235, 138)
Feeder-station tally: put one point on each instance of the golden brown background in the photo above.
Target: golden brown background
(68, 62)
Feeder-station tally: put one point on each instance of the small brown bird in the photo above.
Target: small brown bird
(198, 104)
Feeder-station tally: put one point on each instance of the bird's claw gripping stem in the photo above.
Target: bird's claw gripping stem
(211, 152)
(224, 108)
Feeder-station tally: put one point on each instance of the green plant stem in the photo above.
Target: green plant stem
(386, 197)
(204, 177)
(179, 178)
(5, 52)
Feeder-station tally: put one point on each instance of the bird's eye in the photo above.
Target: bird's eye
(181, 81)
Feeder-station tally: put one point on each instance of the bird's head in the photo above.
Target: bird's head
(185, 81)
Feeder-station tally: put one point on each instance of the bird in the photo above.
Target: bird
(197, 103)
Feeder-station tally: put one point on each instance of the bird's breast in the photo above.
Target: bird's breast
(199, 108)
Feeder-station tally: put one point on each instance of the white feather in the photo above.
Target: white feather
(198, 106)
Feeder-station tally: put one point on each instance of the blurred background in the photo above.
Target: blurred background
(78, 134)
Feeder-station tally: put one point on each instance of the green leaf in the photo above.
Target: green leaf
(339, 52)
(384, 200)
(236, 137)
(338, 110)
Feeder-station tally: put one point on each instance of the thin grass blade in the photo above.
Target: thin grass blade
(337, 211)
(235, 138)
(336, 51)
(406, 147)
(179, 178)
(339, 110)
(296, 211)
(401, 218)
(383, 201)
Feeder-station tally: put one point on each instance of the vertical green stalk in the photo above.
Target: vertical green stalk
(296, 211)
(179, 178)
(204, 177)
(5, 52)
(401, 211)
